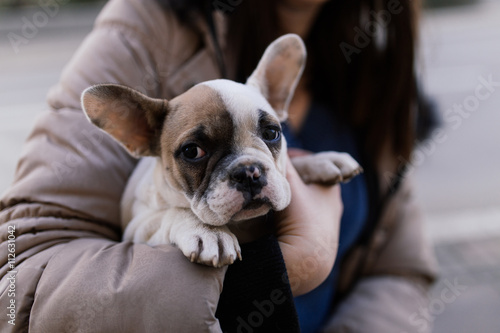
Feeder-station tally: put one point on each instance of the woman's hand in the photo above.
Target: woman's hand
(308, 231)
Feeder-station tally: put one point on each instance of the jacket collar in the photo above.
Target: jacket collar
(220, 25)
(203, 65)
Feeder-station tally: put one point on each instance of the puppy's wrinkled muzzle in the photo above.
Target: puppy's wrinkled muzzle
(248, 179)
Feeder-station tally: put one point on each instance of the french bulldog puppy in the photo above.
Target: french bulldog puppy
(217, 155)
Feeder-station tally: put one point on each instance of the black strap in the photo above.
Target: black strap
(257, 295)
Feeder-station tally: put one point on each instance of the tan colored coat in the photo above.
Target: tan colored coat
(73, 274)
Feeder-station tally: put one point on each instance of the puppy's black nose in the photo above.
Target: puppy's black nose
(248, 178)
(244, 173)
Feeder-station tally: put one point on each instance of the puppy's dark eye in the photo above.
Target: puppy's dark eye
(271, 134)
(192, 152)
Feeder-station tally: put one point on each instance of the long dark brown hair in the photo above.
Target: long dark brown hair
(373, 89)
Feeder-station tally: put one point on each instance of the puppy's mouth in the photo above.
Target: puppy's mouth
(256, 203)
(252, 209)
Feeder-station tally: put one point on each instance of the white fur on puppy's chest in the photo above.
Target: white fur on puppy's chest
(155, 213)
(146, 197)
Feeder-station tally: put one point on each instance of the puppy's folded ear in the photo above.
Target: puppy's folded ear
(129, 116)
(279, 71)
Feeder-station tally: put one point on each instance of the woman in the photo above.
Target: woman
(73, 273)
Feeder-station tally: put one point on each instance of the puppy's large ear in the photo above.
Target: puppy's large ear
(279, 71)
(129, 116)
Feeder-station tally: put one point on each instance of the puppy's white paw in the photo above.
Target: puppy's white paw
(326, 167)
(199, 242)
(208, 245)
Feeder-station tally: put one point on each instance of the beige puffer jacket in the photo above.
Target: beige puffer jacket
(74, 274)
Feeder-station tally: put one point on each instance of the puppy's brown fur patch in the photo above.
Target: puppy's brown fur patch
(182, 126)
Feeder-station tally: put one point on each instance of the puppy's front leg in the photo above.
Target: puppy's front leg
(201, 243)
(326, 167)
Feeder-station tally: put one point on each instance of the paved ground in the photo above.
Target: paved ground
(456, 172)
(467, 298)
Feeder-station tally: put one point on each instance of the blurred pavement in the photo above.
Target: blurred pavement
(456, 171)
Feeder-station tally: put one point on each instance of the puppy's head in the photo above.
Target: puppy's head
(220, 142)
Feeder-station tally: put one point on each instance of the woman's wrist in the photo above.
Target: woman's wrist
(308, 261)
(307, 232)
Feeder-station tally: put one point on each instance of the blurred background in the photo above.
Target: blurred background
(457, 171)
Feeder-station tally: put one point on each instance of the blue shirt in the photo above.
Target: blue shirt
(322, 132)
